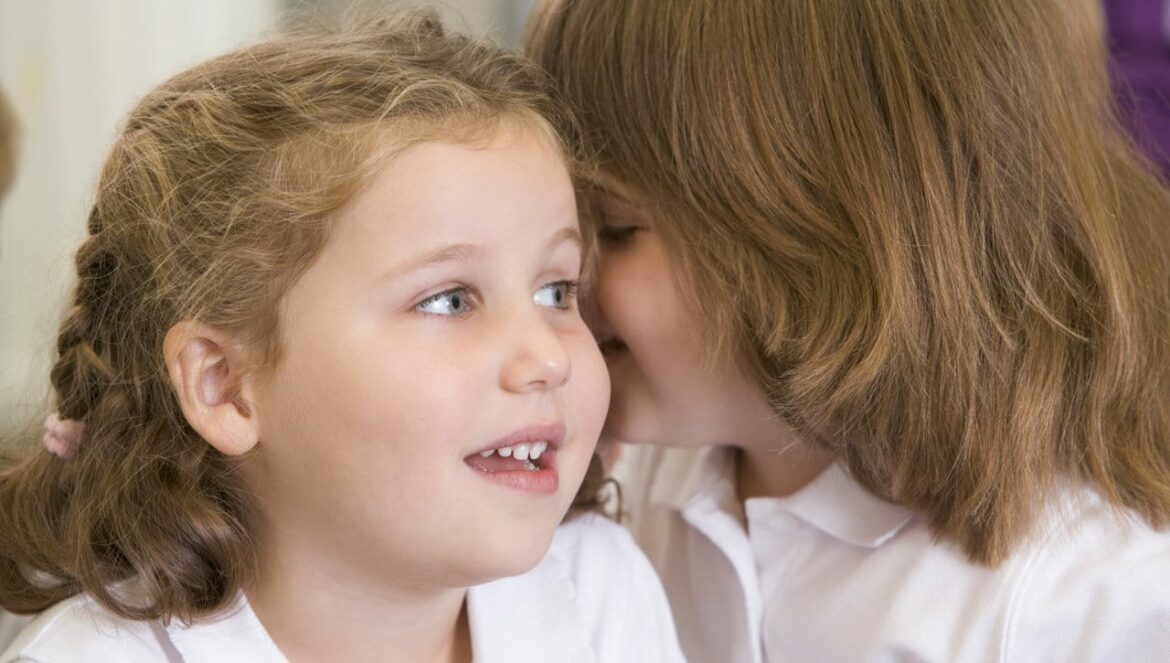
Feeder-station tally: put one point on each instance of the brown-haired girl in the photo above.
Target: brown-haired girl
(892, 275)
(323, 372)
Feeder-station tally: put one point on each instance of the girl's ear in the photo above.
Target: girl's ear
(205, 369)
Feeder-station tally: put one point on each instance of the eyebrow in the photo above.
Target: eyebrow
(600, 191)
(450, 253)
(458, 252)
(571, 235)
(603, 188)
(612, 203)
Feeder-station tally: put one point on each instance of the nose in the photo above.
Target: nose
(539, 359)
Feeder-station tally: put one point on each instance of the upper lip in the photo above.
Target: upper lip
(553, 433)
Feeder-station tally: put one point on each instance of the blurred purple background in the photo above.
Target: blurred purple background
(1139, 39)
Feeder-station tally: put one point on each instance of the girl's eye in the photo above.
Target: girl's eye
(559, 295)
(616, 234)
(454, 302)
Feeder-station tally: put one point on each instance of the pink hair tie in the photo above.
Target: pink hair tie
(62, 436)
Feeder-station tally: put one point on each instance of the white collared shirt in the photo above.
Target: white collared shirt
(593, 599)
(833, 573)
(10, 625)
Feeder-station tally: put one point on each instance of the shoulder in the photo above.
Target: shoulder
(590, 538)
(593, 595)
(616, 590)
(10, 625)
(1093, 589)
(78, 629)
(601, 560)
(656, 484)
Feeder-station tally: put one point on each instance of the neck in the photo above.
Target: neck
(314, 614)
(779, 466)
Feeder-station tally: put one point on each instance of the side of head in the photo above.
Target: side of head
(916, 225)
(217, 196)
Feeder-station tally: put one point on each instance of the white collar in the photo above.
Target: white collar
(833, 502)
(529, 618)
(686, 477)
(838, 506)
(205, 641)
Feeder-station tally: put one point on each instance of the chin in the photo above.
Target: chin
(643, 422)
(511, 551)
(681, 441)
(624, 431)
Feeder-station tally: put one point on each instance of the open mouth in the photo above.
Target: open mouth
(523, 457)
(524, 460)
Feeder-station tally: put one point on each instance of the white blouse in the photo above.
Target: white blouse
(833, 573)
(10, 625)
(593, 599)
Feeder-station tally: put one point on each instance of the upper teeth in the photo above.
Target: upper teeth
(522, 451)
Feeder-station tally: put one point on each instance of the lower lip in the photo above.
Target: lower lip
(543, 481)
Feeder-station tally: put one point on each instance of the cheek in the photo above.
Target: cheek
(637, 298)
(591, 386)
(372, 393)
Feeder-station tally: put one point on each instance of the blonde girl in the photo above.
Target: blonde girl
(893, 277)
(323, 391)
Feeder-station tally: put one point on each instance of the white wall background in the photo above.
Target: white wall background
(72, 69)
(501, 20)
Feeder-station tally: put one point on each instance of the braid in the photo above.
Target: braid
(80, 369)
(216, 196)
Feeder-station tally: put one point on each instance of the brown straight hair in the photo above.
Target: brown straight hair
(215, 198)
(918, 224)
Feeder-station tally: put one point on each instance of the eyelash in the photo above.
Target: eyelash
(570, 298)
(446, 293)
(570, 293)
(616, 235)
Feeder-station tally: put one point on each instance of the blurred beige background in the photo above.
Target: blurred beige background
(72, 69)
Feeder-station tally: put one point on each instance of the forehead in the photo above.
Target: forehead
(610, 195)
(496, 187)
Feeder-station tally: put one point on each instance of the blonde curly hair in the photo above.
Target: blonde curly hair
(215, 197)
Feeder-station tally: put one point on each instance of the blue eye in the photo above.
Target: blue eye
(559, 295)
(454, 302)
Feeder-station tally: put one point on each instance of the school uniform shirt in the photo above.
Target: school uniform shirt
(10, 625)
(832, 573)
(593, 599)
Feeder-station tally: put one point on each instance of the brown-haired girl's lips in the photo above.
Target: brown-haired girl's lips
(611, 347)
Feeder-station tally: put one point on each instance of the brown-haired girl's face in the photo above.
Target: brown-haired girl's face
(436, 334)
(664, 391)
